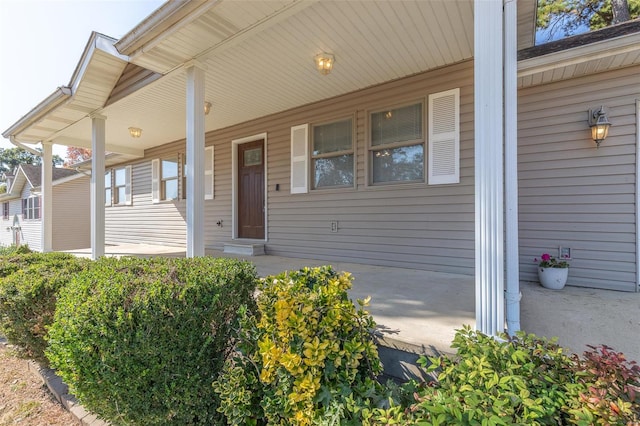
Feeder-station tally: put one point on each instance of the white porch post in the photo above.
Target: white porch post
(97, 185)
(46, 205)
(512, 254)
(195, 159)
(489, 167)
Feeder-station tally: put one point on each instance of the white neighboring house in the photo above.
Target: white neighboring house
(21, 209)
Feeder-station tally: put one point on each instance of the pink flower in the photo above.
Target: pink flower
(545, 257)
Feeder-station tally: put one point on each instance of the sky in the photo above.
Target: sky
(41, 42)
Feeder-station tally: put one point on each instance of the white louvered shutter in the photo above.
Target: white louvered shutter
(127, 188)
(155, 180)
(444, 137)
(299, 159)
(208, 173)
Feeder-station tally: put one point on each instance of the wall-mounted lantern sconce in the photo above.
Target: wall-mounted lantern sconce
(324, 63)
(207, 108)
(599, 124)
(135, 132)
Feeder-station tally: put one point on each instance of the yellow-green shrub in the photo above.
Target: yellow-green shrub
(307, 358)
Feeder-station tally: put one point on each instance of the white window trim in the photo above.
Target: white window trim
(127, 187)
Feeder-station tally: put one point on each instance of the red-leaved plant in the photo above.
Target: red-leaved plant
(610, 388)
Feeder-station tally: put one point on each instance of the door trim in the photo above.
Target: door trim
(234, 183)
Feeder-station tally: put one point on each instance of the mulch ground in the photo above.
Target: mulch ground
(24, 398)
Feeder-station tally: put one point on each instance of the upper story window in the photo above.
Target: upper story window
(169, 179)
(397, 146)
(5, 210)
(31, 208)
(332, 155)
(107, 188)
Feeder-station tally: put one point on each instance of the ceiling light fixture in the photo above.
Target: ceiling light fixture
(324, 63)
(135, 132)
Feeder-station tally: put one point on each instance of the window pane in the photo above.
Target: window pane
(169, 168)
(396, 125)
(107, 196)
(121, 195)
(334, 171)
(170, 189)
(107, 179)
(399, 164)
(252, 157)
(332, 137)
(120, 177)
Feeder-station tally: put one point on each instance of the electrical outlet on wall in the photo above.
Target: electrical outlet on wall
(334, 226)
(564, 253)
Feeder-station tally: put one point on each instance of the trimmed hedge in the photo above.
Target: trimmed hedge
(140, 341)
(29, 284)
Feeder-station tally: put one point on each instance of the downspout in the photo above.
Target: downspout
(512, 284)
(20, 145)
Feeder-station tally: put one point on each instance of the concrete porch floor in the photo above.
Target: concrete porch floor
(419, 311)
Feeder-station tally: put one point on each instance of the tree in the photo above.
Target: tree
(76, 155)
(569, 16)
(10, 158)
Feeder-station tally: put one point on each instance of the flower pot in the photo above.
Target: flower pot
(553, 278)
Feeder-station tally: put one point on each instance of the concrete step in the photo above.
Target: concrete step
(245, 249)
(400, 359)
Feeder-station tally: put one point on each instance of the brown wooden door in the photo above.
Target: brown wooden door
(251, 190)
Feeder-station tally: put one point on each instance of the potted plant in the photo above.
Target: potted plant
(552, 272)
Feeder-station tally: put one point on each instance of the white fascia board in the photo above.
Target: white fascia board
(580, 54)
(39, 111)
(168, 18)
(96, 41)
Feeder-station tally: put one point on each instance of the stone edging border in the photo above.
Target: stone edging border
(60, 391)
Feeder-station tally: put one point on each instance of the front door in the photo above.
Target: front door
(251, 190)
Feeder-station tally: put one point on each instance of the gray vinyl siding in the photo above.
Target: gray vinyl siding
(572, 194)
(72, 214)
(144, 222)
(407, 225)
(31, 228)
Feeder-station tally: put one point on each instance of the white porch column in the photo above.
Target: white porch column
(46, 204)
(97, 185)
(489, 166)
(512, 253)
(195, 159)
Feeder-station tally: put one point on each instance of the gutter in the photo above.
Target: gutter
(30, 150)
(62, 94)
(168, 16)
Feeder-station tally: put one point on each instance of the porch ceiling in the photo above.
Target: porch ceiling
(259, 60)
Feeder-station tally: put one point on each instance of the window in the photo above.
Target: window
(169, 179)
(5, 210)
(31, 208)
(120, 186)
(397, 145)
(332, 155)
(107, 188)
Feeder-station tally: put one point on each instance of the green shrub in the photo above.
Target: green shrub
(29, 284)
(608, 389)
(307, 358)
(495, 382)
(13, 249)
(140, 341)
